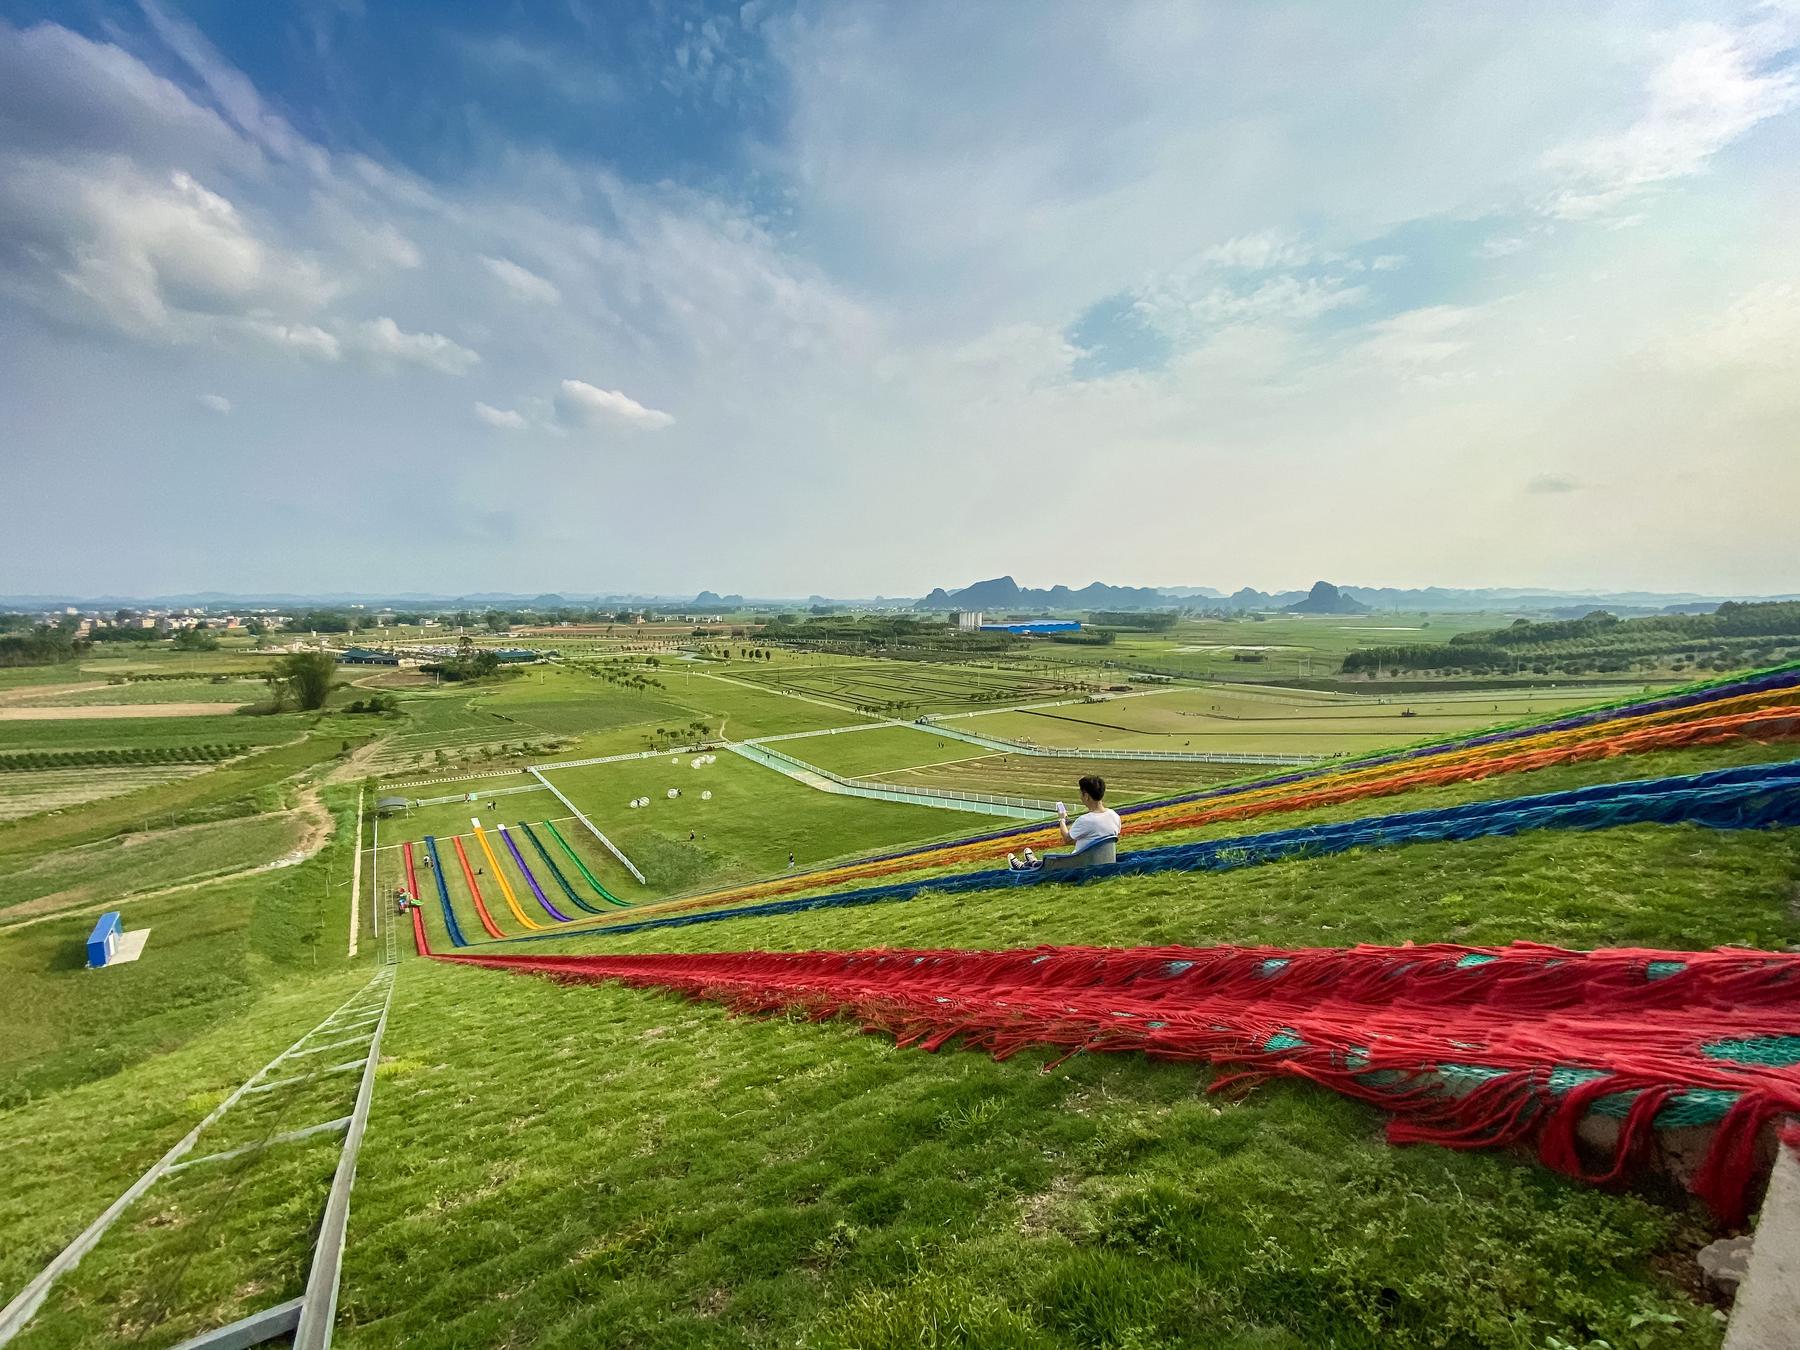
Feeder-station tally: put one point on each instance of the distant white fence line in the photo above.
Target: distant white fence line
(1019, 808)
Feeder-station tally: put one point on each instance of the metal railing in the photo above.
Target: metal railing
(310, 1317)
(1030, 808)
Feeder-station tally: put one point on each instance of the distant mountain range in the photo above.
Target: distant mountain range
(1003, 594)
(1000, 595)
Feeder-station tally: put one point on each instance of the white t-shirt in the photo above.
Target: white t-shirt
(1092, 825)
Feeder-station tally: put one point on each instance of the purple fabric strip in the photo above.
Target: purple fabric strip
(536, 890)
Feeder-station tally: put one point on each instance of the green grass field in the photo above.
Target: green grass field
(237, 691)
(115, 869)
(754, 820)
(587, 1165)
(869, 752)
(1224, 718)
(83, 733)
(909, 687)
(25, 794)
(907, 757)
(1056, 779)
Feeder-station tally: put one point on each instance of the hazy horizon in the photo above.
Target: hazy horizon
(735, 296)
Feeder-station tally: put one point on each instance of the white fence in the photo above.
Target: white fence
(984, 803)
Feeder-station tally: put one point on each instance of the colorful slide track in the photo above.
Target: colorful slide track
(592, 880)
(556, 871)
(437, 870)
(412, 879)
(1467, 1047)
(481, 909)
(537, 890)
(1757, 796)
(1763, 708)
(506, 890)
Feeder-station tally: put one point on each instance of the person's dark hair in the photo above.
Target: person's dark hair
(1094, 785)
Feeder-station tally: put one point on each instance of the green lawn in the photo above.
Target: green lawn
(107, 871)
(210, 951)
(1222, 718)
(243, 787)
(157, 691)
(913, 686)
(869, 752)
(590, 1166)
(90, 733)
(25, 794)
(595, 1166)
(755, 819)
(746, 711)
(1056, 779)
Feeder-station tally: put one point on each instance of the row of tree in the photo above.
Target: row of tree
(1741, 633)
(117, 755)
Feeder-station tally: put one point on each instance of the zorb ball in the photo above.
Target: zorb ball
(674, 792)
(706, 796)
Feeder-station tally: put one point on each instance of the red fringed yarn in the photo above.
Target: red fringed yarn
(1465, 1047)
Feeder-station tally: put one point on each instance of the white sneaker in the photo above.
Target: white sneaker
(1013, 864)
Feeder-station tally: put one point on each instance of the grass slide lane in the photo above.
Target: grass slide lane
(487, 920)
(506, 890)
(556, 871)
(592, 880)
(437, 870)
(412, 877)
(537, 890)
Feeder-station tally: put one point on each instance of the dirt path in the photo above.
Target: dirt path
(117, 710)
(355, 766)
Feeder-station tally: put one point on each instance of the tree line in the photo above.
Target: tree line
(1745, 632)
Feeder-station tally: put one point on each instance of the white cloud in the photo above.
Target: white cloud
(232, 91)
(299, 339)
(521, 282)
(385, 340)
(1190, 307)
(1713, 86)
(1260, 252)
(144, 255)
(1418, 337)
(581, 404)
(506, 419)
(907, 299)
(61, 91)
(216, 403)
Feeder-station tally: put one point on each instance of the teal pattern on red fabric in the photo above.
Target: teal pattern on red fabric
(1517, 1047)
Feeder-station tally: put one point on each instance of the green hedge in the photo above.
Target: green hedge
(25, 761)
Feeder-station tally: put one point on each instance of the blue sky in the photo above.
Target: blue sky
(860, 298)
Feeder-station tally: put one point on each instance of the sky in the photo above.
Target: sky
(857, 298)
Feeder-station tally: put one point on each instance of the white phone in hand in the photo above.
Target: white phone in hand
(1062, 810)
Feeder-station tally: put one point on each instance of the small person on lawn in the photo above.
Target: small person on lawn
(1096, 822)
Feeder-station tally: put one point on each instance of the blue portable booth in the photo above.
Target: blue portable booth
(104, 940)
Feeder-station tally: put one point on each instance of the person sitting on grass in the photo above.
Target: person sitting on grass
(1096, 823)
